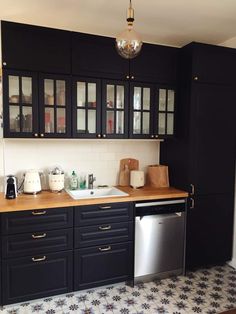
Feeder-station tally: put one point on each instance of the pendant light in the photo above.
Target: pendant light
(129, 43)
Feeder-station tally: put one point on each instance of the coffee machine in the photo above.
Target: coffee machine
(10, 187)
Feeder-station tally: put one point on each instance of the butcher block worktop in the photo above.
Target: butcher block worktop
(48, 199)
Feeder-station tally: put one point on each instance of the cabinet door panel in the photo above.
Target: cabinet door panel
(214, 139)
(55, 105)
(38, 48)
(37, 243)
(36, 220)
(103, 234)
(102, 265)
(209, 230)
(20, 99)
(156, 64)
(96, 56)
(35, 277)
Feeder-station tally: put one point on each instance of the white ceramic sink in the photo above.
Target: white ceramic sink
(96, 193)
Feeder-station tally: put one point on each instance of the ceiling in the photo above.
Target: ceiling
(168, 22)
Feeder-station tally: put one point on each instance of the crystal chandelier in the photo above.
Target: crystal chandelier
(129, 43)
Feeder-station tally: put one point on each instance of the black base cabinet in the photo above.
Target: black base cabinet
(34, 277)
(101, 265)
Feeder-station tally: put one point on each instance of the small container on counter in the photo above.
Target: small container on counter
(73, 181)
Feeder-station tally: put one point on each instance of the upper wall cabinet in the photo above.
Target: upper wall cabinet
(156, 64)
(212, 64)
(33, 48)
(96, 56)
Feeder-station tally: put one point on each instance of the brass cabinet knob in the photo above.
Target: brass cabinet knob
(104, 135)
(127, 76)
(36, 134)
(4, 63)
(42, 135)
(99, 135)
(132, 77)
(156, 136)
(195, 78)
(152, 136)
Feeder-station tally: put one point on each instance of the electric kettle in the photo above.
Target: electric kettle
(32, 182)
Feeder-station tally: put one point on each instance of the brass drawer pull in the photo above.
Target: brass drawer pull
(39, 236)
(105, 228)
(108, 248)
(192, 203)
(105, 207)
(192, 189)
(40, 259)
(39, 213)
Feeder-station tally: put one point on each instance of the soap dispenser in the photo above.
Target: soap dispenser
(73, 181)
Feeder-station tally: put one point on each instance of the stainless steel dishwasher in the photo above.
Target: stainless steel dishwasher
(159, 237)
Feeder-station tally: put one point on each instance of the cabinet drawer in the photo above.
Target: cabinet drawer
(100, 265)
(37, 220)
(36, 276)
(37, 243)
(103, 213)
(103, 234)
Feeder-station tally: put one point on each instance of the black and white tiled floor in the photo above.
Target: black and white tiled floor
(206, 291)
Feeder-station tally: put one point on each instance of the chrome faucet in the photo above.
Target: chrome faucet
(91, 179)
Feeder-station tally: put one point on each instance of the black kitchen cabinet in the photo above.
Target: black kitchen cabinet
(55, 105)
(209, 230)
(96, 56)
(20, 99)
(36, 276)
(101, 265)
(34, 48)
(201, 160)
(155, 64)
(152, 111)
(36, 105)
(212, 64)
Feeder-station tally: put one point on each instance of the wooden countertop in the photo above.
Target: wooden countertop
(47, 199)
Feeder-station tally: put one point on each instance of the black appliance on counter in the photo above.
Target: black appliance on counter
(10, 187)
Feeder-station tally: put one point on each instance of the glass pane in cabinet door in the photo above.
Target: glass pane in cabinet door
(137, 122)
(92, 121)
(14, 116)
(26, 90)
(81, 125)
(61, 120)
(161, 123)
(110, 122)
(162, 99)
(60, 93)
(27, 119)
(14, 91)
(120, 122)
(170, 100)
(170, 123)
(92, 95)
(81, 94)
(146, 99)
(48, 92)
(146, 123)
(137, 98)
(49, 120)
(120, 97)
(110, 96)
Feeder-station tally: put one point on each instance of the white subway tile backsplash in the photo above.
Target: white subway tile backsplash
(84, 156)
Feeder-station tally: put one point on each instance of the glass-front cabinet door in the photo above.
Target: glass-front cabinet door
(86, 108)
(165, 108)
(54, 106)
(20, 104)
(141, 111)
(114, 109)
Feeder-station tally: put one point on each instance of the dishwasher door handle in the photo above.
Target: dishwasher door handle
(163, 216)
(148, 204)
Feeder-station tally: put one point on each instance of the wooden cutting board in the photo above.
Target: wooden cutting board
(126, 165)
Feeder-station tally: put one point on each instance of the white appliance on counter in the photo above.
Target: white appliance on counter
(32, 182)
(56, 179)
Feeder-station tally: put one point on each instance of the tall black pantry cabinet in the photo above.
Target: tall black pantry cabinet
(201, 158)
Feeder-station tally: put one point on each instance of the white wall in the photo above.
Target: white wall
(100, 157)
(232, 43)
